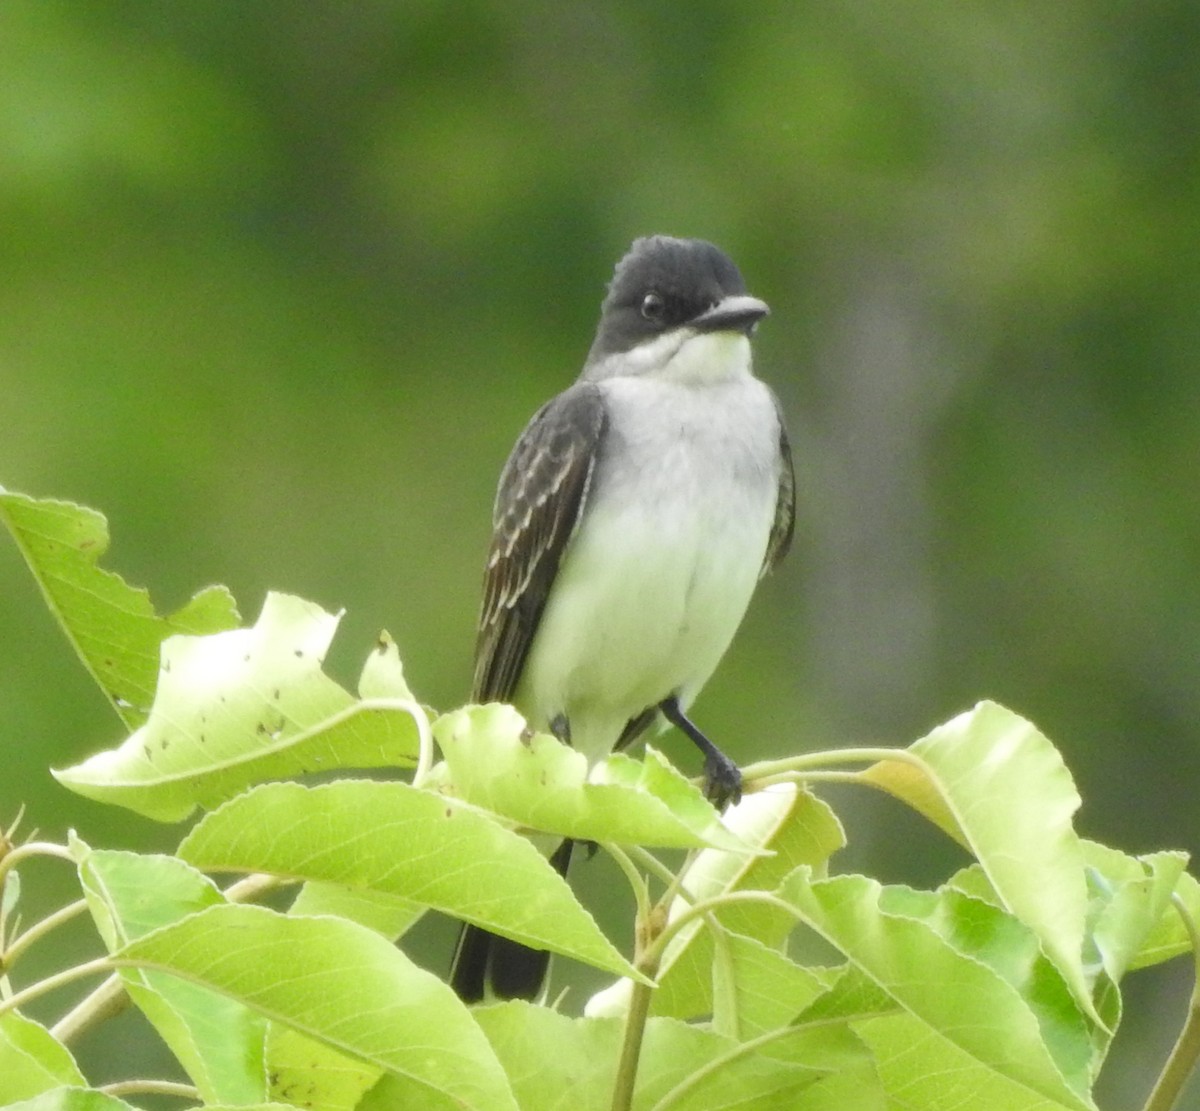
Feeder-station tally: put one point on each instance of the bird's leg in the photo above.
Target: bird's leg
(722, 780)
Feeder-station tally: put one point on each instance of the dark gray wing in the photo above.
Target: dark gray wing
(785, 506)
(541, 497)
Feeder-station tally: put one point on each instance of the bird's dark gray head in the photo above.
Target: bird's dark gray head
(664, 284)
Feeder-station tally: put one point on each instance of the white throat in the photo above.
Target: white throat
(685, 355)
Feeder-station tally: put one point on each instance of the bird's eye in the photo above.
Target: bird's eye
(653, 307)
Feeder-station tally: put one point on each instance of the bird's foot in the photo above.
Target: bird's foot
(722, 779)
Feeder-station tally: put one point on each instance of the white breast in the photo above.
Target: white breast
(658, 576)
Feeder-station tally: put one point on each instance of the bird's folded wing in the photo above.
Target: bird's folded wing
(542, 495)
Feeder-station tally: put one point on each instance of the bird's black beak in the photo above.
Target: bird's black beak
(732, 314)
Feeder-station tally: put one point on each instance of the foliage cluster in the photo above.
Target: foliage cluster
(760, 977)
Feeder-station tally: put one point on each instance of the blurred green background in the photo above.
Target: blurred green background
(280, 284)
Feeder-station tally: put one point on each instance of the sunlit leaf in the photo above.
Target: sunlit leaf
(388, 915)
(970, 973)
(541, 783)
(81, 1099)
(793, 827)
(238, 707)
(111, 625)
(999, 786)
(72, 1099)
(308, 1073)
(564, 1064)
(771, 990)
(919, 1067)
(217, 1040)
(32, 1060)
(383, 673)
(339, 983)
(402, 841)
(1137, 924)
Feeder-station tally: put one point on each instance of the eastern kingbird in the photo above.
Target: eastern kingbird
(634, 518)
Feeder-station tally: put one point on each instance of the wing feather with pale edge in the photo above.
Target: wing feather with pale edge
(784, 524)
(541, 498)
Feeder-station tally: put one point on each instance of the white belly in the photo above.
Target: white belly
(656, 580)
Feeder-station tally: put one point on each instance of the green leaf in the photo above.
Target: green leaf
(545, 785)
(339, 983)
(965, 970)
(1135, 916)
(390, 916)
(32, 1060)
(217, 1040)
(920, 1068)
(111, 625)
(242, 706)
(72, 1099)
(1001, 788)
(855, 1088)
(771, 989)
(86, 1099)
(790, 827)
(400, 840)
(1169, 937)
(308, 1073)
(383, 673)
(563, 1064)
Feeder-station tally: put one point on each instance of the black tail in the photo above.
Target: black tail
(511, 970)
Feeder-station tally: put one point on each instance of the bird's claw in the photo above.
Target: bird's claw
(722, 780)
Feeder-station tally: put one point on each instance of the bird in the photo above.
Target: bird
(633, 519)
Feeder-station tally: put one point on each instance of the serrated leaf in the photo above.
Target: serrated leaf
(390, 916)
(970, 973)
(545, 785)
(1169, 937)
(564, 1064)
(339, 983)
(400, 840)
(217, 1040)
(790, 827)
(87, 1099)
(111, 625)
(239, 707)
(1001, 788)
(72, 1099)
(308, 1073)
(857, 1088)
(921, 1069)
(771, 989)
(383, 673)
(1135, 918)
(32, 1060)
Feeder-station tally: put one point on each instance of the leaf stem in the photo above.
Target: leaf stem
(725, 1018)
(110, 998)
(706, 906)
(741, 1049)
(107, 1000)
(151, 1087)
(641, 892)
(1186, 1051)
(38, 930)
(43, 987)
(651, 863)
(251, 886)
(31, 849)
(816, 760)
(646, 960)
